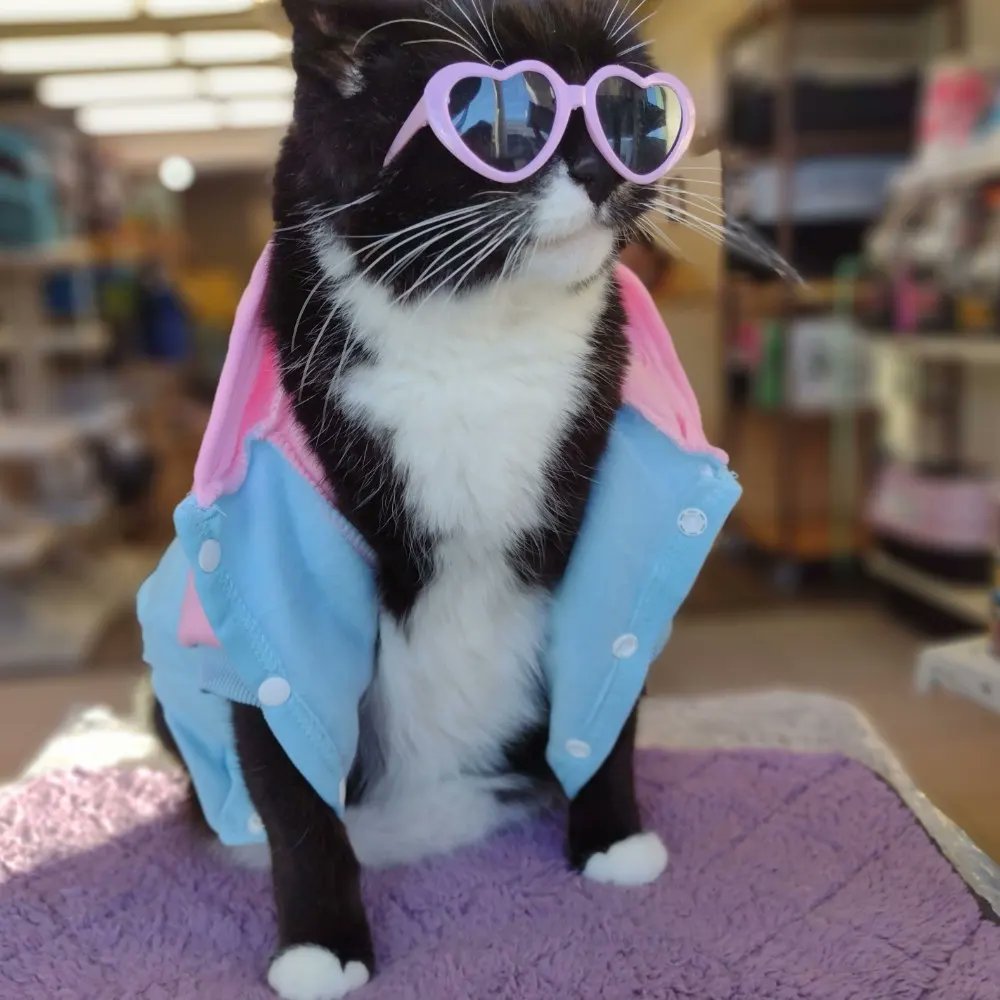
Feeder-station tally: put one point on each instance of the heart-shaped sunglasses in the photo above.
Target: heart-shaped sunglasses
(506, 123)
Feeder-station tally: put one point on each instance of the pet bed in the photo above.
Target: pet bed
(793, 876)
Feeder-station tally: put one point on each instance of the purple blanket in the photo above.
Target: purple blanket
(791, 877)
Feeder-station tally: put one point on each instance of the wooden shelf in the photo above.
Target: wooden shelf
(772, 298)
(965, 601)
(26, 545)
(80, 339)
(979, 161)
(810, 540)
(847, 142)
(963, 347)
(767, 12)
(27, 438)
(66, 254)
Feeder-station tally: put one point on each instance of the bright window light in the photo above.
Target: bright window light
(42, 11)
(44, 55)
(177, 173)
(205, 48)
(257, 81)
(131, 119)
(76, 89)
(194, 8)
(257, 114)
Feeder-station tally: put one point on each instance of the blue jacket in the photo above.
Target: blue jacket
(268, 595)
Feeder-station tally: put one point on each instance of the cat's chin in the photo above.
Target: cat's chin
(573, 260)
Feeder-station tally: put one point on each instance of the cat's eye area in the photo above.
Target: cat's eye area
(504, 123)
(642, 124)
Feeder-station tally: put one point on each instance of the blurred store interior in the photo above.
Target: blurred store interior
(860, 404)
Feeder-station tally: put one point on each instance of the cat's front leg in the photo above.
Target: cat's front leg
(606, 840)
(324, 943)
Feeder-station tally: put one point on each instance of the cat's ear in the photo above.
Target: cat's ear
(332, 35)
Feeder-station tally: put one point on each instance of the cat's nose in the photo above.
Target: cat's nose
(595, 175)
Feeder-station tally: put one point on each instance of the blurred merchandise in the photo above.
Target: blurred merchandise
(28, 211)
(822, 106)
(977, 308)
(957, 95)
(940, 520)
(849, 74)
(163, 320)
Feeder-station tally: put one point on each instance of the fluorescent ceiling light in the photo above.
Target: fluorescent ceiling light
(75, 89)
(42, 11)
(129, 119)
(239, 81)
(193, 8)
(266, 113)
(41, 55)
(205, 48)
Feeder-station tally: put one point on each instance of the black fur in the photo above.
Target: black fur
(332, 157)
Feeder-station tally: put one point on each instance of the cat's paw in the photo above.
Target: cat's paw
(637, 860)
(309, 972)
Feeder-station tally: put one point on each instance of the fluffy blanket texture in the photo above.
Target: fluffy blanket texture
(792, 877)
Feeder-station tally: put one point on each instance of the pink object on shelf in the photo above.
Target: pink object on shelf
(953, 514)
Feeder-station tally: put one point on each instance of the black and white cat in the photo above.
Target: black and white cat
(454, 350)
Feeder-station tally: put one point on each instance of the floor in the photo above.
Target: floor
(732, 636)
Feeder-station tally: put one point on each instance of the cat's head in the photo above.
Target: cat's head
(427, 222)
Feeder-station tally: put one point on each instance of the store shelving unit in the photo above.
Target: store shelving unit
(61, 579)
(783, 527)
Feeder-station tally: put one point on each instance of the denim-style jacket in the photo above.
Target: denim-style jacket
(268, 595)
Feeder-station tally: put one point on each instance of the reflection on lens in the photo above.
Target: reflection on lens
(641, 124)
(504, 123)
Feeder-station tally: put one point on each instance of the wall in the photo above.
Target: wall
(227, 220)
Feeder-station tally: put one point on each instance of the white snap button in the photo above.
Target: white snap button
(209, 555)
(255, 824)
(274, 691)
(625, 646)
(693, 521)
(578, 749)
(343, 791)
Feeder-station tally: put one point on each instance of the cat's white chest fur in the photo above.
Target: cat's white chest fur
(474, 397)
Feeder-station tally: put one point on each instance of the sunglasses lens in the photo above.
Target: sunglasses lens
(504, 123)
(642, 124)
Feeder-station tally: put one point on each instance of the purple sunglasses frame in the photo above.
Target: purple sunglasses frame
(432, 110)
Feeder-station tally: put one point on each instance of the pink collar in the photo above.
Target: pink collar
(251, 400)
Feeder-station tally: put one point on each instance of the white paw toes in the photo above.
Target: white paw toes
(309, 972)
(638, 860)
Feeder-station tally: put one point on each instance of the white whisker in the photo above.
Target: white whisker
(472, 24)
(625, 18)
(492, 248)
(449, 226)
(424, 224)
(423, 247)
(621, 36)
(298, 320)
(632, 48)
(481, 13)
(462, 39)
(323, 215)
(448, 41)
(435, 268)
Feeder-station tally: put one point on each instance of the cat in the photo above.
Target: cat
(454, 350)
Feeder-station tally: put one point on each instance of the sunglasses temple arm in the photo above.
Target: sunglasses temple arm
(412, 125)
